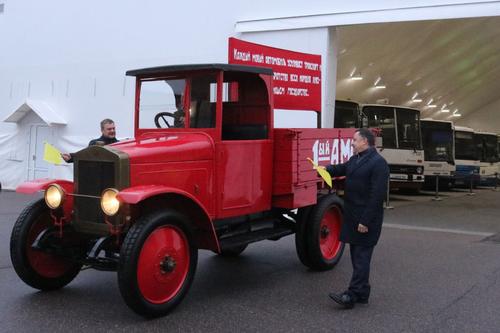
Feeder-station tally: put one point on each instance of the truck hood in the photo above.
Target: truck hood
(171, 147)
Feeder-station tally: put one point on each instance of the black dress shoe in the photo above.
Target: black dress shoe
(344, 299)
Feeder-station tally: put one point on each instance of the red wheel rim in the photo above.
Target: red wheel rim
(329, 234)
(44, 264)
(163, 264)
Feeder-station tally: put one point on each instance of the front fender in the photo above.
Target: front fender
(136, 194)
(42, 184)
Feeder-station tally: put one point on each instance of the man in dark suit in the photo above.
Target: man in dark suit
(108, 131)
(367, 175)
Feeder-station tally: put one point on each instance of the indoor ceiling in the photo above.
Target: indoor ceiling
(455, 63)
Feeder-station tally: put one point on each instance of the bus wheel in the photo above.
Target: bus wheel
(323, 233)
(36, 268)
(157, 263)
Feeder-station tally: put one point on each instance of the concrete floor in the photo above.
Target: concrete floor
(434, 271)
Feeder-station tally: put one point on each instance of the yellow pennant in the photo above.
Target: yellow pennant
(322, 172)
(51, 154)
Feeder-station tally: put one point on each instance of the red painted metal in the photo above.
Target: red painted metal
(43, 263)
(37, 185)
(329, 233)
(165, 245)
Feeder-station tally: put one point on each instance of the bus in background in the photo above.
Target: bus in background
(439, 159)
(401, 143)
(487, 149)
(347, 115)
(466, 161)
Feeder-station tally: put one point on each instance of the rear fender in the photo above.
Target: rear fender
(152, 196)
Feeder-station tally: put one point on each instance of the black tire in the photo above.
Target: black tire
(301, 235)
(327, 230)
(233, 251)
(39, 270)
(131, 268)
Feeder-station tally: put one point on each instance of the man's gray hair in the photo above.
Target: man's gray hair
(106, 121)
(368, 135)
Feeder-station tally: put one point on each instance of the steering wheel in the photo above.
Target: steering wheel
(163, 116)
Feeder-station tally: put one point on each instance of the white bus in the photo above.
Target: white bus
(439, 152)
(487, 149)
(401, 143)
(466, 160)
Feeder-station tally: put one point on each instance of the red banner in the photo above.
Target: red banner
(297, 76)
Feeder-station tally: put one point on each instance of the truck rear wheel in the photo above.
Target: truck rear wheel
(36, 268)
(321, 234)
(157, 263)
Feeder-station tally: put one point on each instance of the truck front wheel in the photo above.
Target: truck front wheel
(157, 263)
(321, 234)
(36, 268)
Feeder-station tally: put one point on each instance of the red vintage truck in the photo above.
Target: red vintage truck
(206, 170)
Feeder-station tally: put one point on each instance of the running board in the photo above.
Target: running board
(255, 236)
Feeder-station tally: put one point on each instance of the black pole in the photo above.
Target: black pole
(436, 196)
(471, 181)
(387, 203)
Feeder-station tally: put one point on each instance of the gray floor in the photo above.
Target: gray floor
(433, 271)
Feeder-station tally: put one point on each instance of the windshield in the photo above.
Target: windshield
(487, 146)
(163, 102)
(465, 147)
(408, 128)
(382, 117)
(437, 140)
(346, 114)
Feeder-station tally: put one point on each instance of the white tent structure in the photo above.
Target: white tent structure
(63, 63)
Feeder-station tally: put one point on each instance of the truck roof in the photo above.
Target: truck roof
(197, 67)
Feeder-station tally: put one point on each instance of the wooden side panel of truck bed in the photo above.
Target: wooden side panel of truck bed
(295, 183)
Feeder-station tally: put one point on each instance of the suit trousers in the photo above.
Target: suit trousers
(361, 257)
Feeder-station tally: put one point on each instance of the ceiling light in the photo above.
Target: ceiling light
(430, 101)
(414, 96)
(409, 83)
(352, 72)
(416, 100)
(456, 114)
(357, 77)
(445, 110)
(431, 105)
(377, 81)
(382, 86)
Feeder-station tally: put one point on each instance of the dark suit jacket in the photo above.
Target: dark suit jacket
(365, 191)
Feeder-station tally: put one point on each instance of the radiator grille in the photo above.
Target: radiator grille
(93, 178)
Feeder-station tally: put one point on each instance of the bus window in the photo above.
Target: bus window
(408, 129)
(382, 117)
(346, 114)
(465, 148)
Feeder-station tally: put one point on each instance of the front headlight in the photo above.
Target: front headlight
(54, 196)
(420, 170)
(109, 201)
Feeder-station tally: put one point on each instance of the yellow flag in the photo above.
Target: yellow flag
(322, 172)
(51, 154)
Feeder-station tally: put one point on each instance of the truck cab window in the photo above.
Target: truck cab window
(202, 109)
(161, 103)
